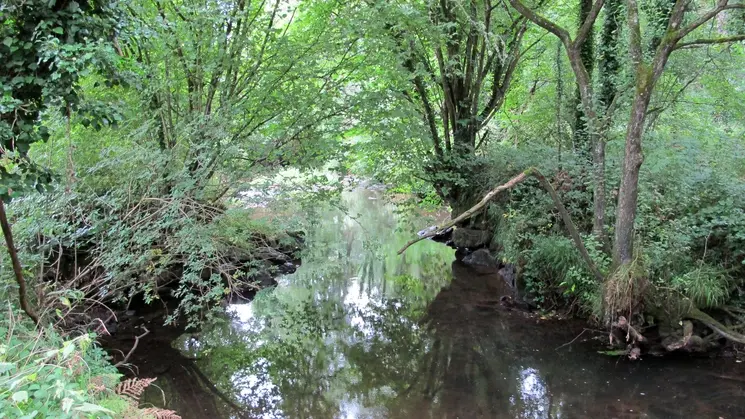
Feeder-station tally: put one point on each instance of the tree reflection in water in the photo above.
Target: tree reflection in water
(359, 332)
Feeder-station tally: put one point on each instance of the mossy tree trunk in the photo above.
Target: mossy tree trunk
(583, 145)
(594, 125)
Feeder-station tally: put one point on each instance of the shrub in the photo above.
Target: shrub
(707, 286)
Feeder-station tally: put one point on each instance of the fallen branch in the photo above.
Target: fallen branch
(137, 341)
(470, 213)
(566, 218)
(573, 340)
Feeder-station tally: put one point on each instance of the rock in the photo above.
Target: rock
(471, 238)
(481, 257)
(687, 342)
(508, 273)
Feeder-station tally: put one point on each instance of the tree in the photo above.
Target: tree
(241, 84)
(596, 122)
(647, 73)
(46, 46)
(460, 58)
(587, 51)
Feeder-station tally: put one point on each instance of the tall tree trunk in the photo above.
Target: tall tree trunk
(629, 191)
(607, 74)
(646, 77)
(559, 99)
(582, 136)
(609, 65)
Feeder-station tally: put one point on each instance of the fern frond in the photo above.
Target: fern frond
(133, 388)
(159, 413)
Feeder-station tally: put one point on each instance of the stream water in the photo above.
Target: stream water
(359, 332)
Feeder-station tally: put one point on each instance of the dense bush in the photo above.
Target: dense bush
(691, 224)
(152, 229)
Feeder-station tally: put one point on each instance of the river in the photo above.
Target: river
(359, 332)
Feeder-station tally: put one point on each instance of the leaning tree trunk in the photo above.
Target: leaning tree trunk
(16, 263)
(476, 209)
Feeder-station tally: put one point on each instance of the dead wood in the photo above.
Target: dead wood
(566, 218)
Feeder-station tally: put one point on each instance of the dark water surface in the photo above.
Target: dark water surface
(358, 332)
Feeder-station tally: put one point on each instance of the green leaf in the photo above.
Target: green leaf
(20, 396)
(8, 41)
(6, 366)
(58, 30)
(67, 404)
(68, 350)
(30, 415)
(618, 352)
(92, 408)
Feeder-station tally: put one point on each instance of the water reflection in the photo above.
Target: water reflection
(358, 332)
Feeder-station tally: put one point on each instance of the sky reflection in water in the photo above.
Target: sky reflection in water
(359, 332)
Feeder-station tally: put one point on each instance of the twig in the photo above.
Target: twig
(137, 341)
(572, 341)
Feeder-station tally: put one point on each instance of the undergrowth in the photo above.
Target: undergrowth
(689, 217)
(158, 231)
(43, 374)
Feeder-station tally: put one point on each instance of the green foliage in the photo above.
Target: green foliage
(44, 375)
(707, 286)
(47, 46)
(431, 98)
(554, 271)
(154, 229)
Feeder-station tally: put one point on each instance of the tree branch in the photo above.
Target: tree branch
(134, 346)
(566, 218)
(584, 31)
(709, 41)
(541, 21)
(720, 7)
(468, 214)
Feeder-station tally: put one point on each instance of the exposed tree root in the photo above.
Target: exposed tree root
(726, 332)
(631, 334)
